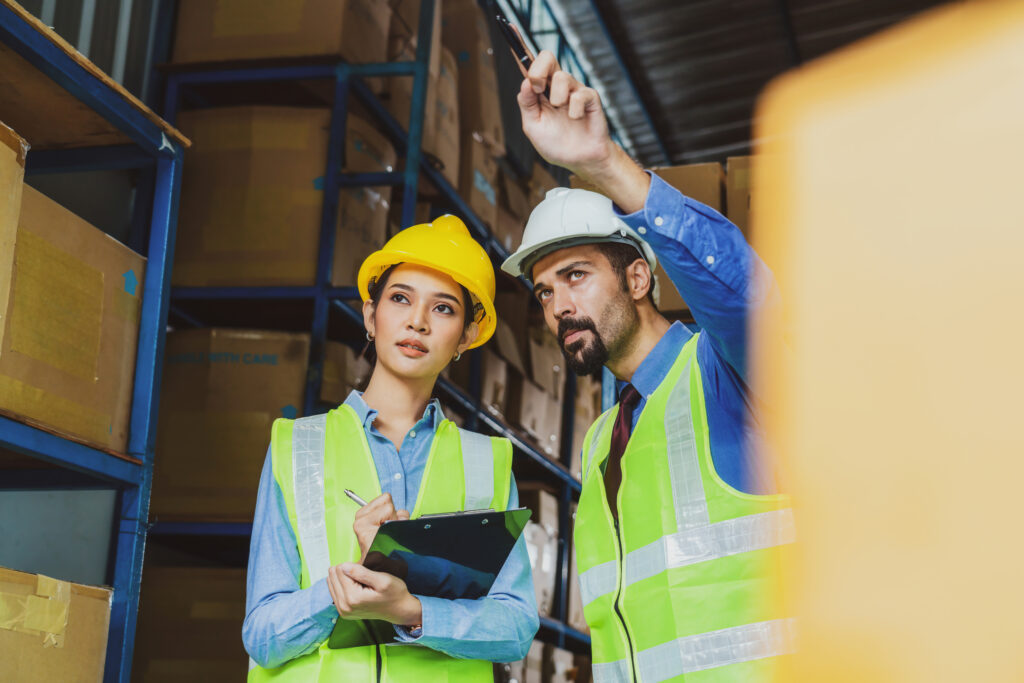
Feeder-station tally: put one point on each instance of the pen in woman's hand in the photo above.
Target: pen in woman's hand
(359, 501)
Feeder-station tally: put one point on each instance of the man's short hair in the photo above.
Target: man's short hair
(621, 256)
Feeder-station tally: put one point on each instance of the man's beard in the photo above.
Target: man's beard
(583, 357)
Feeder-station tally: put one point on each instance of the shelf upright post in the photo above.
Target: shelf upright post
(417, 112)
(328, 234)
(133, 501)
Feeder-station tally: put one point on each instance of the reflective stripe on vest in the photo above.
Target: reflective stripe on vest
(747, 524)
(704, 651)
(308, 435)
(477, 469)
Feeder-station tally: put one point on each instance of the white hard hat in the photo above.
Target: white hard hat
(569, 217)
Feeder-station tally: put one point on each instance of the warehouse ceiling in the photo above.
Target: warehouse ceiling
(697, 66)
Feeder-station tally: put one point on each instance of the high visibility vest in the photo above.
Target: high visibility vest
(314, 459)
(681, 588)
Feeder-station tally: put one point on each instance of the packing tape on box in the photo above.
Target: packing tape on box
(45, 613)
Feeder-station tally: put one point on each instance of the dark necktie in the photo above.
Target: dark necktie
(628, 400)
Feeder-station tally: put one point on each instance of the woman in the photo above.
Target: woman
(427, 297)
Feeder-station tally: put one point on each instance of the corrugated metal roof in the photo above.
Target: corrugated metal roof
(698, 66)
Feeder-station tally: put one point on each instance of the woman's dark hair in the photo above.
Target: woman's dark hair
(471, 312)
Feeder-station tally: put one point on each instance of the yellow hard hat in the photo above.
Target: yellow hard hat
(446, 246)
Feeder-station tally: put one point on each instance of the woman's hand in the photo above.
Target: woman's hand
(369, 518)
(360, 593)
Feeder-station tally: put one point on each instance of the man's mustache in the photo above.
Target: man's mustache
(567, 326)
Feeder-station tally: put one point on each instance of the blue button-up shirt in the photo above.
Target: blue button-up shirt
(722, 280)
(283, 622)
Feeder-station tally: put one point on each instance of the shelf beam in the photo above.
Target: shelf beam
(48, 447)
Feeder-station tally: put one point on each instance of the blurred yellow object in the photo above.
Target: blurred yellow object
(889, 205)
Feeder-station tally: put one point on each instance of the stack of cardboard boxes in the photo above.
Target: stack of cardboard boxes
(190, 625)
(251, 198)
(222, 391)
(465, 32)
(541, 534)
(70, 300)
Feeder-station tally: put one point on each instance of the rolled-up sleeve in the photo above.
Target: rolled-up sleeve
(498, 627)
(282, 620)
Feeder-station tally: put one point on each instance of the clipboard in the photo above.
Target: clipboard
(454, 556)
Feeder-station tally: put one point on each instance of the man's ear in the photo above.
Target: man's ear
(639, 279)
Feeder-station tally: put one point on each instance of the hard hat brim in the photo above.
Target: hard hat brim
(520, 263)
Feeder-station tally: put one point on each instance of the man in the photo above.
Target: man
(677, 532)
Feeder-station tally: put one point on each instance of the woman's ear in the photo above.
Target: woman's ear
(468, 337)
(368, 309)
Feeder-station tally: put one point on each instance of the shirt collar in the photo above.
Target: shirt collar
(653, 368)
(432, 414)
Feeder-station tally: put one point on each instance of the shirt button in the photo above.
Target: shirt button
(659, 221)
(398, 475)
(334, 620)
(710, 260)
(642, 230)
(412, 434)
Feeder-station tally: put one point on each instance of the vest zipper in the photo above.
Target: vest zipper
(380, 663)
(618, 596)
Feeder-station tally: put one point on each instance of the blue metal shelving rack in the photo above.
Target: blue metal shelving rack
(348, 79)
(154, 148)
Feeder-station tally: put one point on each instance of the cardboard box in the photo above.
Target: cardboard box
(541, 182)
(559, 666)
(575, 617)
(547, 364)
(513, 212)
(190, 625)
(587, 410)
(252, 197)
(513, 307)
(222, 391)
(540, 414)
(363, 211)
(541, 535)
(70, 326)
(493, 381)
(528, 670)
(506, 342)
(465, 32)
(344, 370)
(737, 192)
(478, 178)
(441, 138)
(404, 28)
(703, 182)
(226, 30)
(52, 630)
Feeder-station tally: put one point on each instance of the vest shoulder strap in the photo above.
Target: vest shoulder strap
(478, 469)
